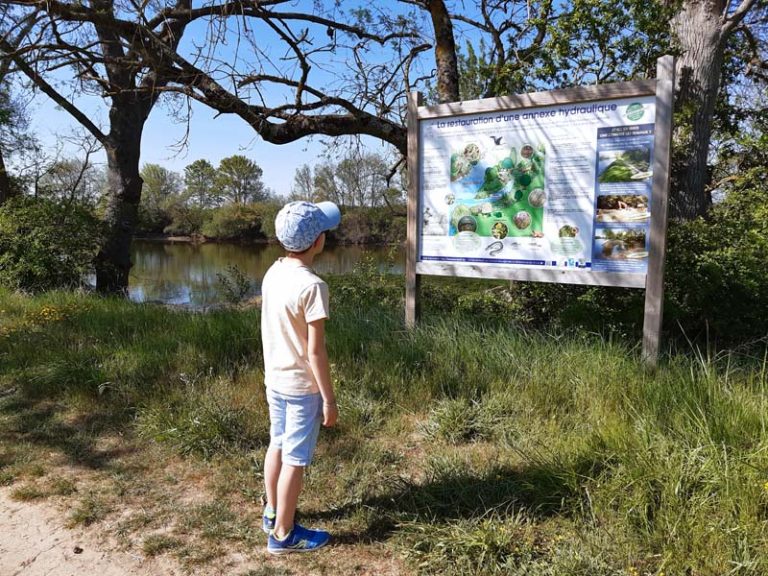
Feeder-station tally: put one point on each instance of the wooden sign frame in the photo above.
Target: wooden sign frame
(662, 87)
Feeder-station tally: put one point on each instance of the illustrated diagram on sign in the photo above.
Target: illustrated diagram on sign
(497, 188)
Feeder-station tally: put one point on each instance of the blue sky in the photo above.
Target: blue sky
(210, 136)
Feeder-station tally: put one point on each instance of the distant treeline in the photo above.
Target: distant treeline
(255, 222)
(230, 202)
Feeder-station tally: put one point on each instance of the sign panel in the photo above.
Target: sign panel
(563, 187)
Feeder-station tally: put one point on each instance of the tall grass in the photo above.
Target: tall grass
(471, 447)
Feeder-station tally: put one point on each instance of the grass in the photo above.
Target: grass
(156, 544)
(463, 447)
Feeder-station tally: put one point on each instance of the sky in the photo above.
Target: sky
(211, 136)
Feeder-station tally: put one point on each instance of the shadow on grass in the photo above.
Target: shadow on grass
(44, 424)
(542, 490)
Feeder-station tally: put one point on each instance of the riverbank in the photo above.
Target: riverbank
(461, 448)
(200, 239)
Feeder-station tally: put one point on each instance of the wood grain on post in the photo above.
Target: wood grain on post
(662, 146)
(412, 304)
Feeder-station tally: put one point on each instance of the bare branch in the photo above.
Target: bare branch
(737, 16)
(51, 92)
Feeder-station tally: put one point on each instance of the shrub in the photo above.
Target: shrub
(185, 220)
(234, 222)
(46, 244)
(370, 226)
(716, 282)
(267, 212)
(234, 284)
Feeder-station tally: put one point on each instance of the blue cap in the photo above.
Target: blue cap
(298, 224)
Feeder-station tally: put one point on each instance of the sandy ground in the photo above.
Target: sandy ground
(34, 541)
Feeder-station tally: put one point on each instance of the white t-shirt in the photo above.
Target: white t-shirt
(292, 296)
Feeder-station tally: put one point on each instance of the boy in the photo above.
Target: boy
(296, 374)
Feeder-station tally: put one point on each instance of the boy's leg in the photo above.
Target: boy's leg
(288, 490)
(273, 461)
(303, 415)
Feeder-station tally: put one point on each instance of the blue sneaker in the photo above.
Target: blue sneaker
(268, 519)
(299, 539)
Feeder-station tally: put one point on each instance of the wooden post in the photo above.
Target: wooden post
(654, 283)
(412, 280)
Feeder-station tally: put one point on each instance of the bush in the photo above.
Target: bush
(716, 283)
(46, 244)
(370, 226)
(267, 212)
(185, 220)
(234, 222)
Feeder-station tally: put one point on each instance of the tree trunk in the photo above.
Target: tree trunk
(113, 262)
(6, 190)
(698, 28)
(445, 53)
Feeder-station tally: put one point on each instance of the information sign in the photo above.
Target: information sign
(561, 187)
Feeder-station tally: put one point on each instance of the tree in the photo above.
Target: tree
(595, 41)
(13, 117)
(303, 184)
(160, 186)
(701, 31)
(200, 184)
(9, 120)
(100, 44)
(72, 181)
(359, 179)
(238, 180)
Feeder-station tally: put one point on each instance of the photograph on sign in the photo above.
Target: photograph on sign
(556, 187)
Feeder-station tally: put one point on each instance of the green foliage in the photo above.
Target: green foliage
(454, 420)
(267, 213)
(156, 544)
(596, 41)
(45, 244)
(91, 509)
(716, 281)
(160, 195)
(368, 285)
(200, 183)
(186, 220)
(238, 180)
(202, 422)
(359, 179)
(378, 225)
(235, 284)
(234, 222)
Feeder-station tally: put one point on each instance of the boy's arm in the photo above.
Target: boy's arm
(318, 360)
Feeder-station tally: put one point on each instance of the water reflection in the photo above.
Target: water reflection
(186, 274)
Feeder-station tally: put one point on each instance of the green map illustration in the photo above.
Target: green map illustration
(498, 190)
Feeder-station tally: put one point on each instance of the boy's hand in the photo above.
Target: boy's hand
(330, 414)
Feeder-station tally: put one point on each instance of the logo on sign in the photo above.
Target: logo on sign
(635, 111)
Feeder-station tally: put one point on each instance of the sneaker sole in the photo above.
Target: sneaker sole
(282, 551)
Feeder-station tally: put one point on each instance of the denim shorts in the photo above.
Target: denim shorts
(294, 425)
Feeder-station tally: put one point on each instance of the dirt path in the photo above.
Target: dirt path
(34, 541)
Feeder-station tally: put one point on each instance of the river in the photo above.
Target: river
(188, 275)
